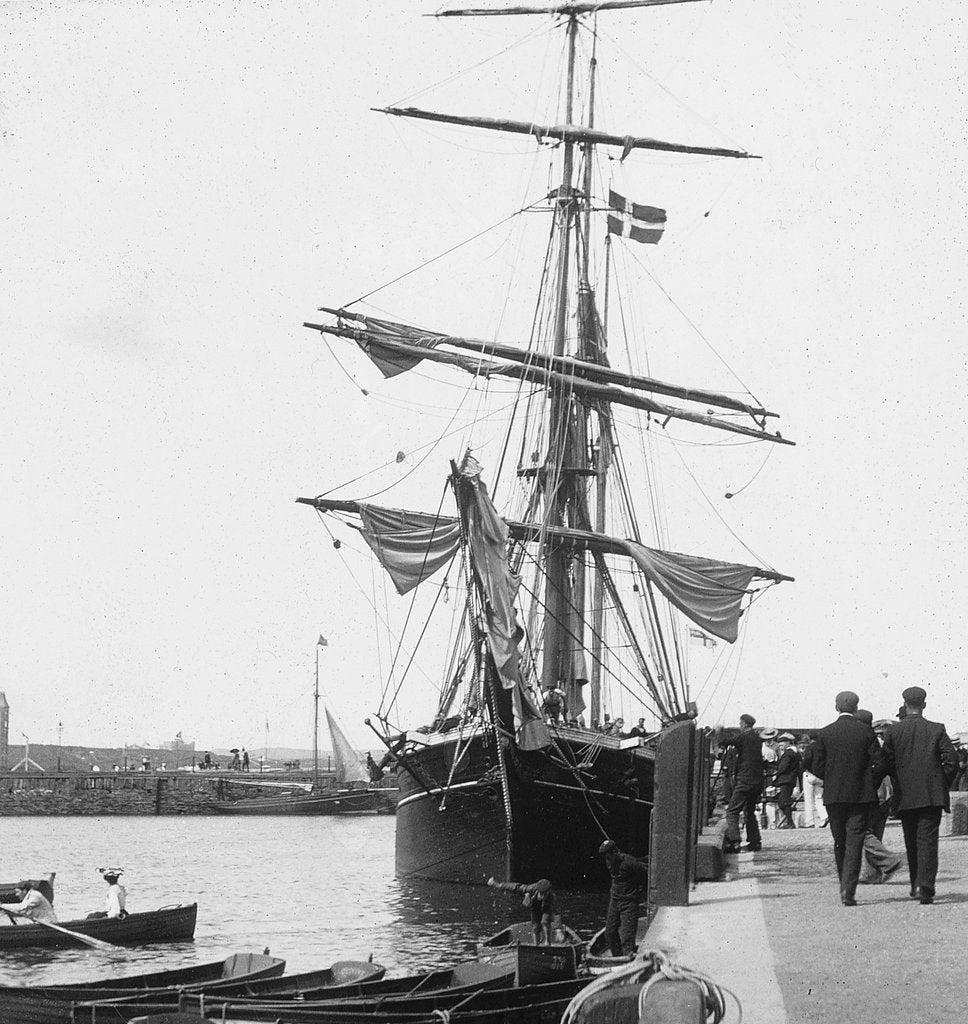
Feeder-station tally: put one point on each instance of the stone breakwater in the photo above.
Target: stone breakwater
(103, 794)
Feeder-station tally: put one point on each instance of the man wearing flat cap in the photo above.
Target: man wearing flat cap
(848, 758)
(748, 787)
(921, 760)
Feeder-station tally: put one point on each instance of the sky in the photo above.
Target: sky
(185, 183)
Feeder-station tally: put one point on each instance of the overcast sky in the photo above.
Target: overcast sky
(183, 184)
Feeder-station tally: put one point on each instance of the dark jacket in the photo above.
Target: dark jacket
(629, 875)
(847, 756)
(921, 759)
(788, 768)
(749, 756)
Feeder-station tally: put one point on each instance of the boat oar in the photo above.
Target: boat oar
(86, 940)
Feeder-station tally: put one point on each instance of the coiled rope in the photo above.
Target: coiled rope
(648, 968)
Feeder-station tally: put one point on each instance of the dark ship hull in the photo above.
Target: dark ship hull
(452, 826)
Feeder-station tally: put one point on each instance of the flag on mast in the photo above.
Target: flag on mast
(638, 222)
(322, 641)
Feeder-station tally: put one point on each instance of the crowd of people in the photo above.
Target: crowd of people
(853, 775)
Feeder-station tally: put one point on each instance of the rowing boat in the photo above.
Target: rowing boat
(51, 1004)
(167, 924)
(529, 1004)
(386, 995)
(514, 948)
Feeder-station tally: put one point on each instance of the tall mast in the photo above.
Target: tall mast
(316, 726)
(559, 462)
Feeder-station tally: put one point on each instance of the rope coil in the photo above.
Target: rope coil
(649, 967)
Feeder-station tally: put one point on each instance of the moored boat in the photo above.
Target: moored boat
(51, 1004)
(311, 989)
(578, 591)
(338, 801)
(167, 924)
(532, 964)
(529, 1004)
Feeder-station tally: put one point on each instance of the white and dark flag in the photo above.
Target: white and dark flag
(635, 221)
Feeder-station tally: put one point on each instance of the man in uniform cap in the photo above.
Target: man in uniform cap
(921, 759)
(848, 758)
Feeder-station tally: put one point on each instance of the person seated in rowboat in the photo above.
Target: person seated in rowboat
(33, 905)
(116, 896)
(541, 899)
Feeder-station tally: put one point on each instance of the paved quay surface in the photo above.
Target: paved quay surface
(775, 933)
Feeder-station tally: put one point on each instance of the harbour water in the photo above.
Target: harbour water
(312, 890)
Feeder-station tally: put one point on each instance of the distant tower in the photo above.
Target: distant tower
(4, 729)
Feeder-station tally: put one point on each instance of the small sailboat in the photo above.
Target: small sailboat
(352, 793)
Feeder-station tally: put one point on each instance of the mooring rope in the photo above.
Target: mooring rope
(649, 967)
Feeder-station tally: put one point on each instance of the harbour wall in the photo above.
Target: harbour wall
(101, 794)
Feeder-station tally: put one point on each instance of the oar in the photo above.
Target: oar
(87, 940)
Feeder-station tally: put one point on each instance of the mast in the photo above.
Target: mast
(316, 726)
(559, 462)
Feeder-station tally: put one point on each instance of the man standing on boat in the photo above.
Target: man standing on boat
(848, 758)
(33, 905)
(540, 898)
(625, 898)
(921, 759)
(748, 786)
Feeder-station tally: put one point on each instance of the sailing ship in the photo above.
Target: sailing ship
(352, 793)
(572, 609)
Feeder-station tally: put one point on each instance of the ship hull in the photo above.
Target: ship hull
(452, 825)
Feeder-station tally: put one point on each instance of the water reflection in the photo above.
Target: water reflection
(312, 890)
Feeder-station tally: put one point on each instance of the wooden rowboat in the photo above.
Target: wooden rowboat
(514, 948)
(168, 924)
(387, 995)
(51, 1004)
(530, 1004)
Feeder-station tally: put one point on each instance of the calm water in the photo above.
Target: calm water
(312, 890)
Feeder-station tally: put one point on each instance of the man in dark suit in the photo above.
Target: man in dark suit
(748, 787)
(848, 758)
(921, 760)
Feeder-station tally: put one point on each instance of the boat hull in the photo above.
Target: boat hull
(170, 924)
(563, 802)
(52, 1004)
(344, 802)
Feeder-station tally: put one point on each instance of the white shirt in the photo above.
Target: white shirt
(35, 906)
(115, 899)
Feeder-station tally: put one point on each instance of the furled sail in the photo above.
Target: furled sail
(487, 537)
(706, 590)
(410, 545)
(349, 768)
(395, 352)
